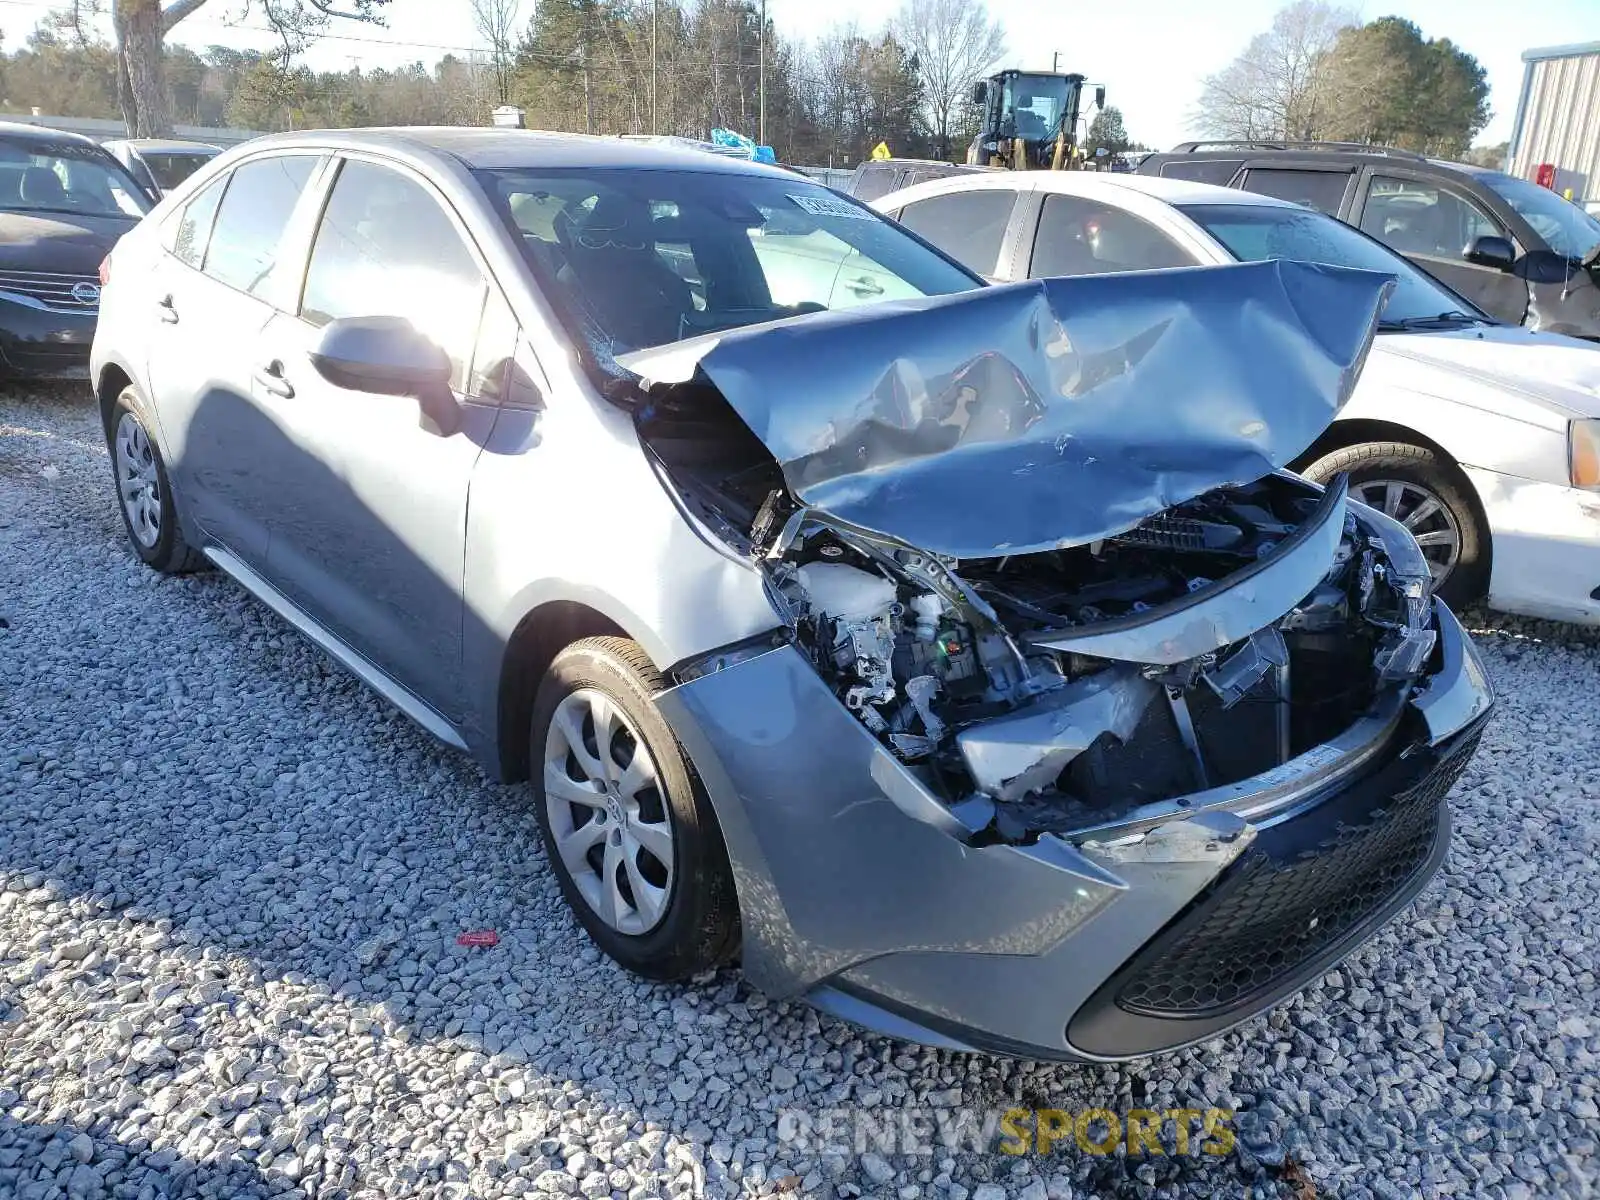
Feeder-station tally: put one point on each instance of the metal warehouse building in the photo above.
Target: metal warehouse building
(1558, 118)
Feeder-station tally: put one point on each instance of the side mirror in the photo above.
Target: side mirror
(980, 91)
(1100, 96)
(1491, 251)
(388, 356)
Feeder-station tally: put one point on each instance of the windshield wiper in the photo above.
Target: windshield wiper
(1444, 320)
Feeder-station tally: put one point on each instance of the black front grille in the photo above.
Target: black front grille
(1273, 912)
(65, 293)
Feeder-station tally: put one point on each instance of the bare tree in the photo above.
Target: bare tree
(496, 22)
(1278, 87)
(954, 43)
(140, 28)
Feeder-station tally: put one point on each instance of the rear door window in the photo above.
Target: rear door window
(243, 250)
(874, 182)
(1203, 170)
(968, 226)
(1423, 217)
(195, 222)
(1083, 237)
(1321, 190)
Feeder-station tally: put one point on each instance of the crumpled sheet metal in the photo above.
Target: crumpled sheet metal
(1044, 414)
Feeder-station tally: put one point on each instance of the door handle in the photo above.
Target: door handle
(271, 378)
(865, 286)
(167, 310)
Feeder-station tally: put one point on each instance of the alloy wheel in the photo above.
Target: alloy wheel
(138, 482)
(607, 813)
(1427, 517)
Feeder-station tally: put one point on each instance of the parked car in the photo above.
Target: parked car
(161, 164)
(1482, 438)
(1518, 251)
(880, 176)
(64, 202)
(915, 660)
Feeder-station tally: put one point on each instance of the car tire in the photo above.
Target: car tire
(144, 493)
(1405, 477)
(611, 820)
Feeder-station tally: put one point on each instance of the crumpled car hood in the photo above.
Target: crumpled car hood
(1045, 414)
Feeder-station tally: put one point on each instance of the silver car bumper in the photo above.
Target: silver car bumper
(863, 893)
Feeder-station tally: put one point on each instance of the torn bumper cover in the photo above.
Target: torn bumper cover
(1045, 414)
(863, 892)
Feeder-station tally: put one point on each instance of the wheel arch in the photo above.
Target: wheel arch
(112, 381)
(1360, 430)
(539, 636)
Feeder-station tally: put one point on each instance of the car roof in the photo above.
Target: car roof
(1107, 184)
(909, 162)
(1354, 155)
(490, 148)
(163, 145)
(44, 133)
(1158, 187)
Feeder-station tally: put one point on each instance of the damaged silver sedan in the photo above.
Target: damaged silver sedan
(959, 659)
(1099, 732)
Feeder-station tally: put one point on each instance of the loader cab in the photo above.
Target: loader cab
(1028, 106)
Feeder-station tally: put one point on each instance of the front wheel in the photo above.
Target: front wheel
(626, 825)
(1431, 498)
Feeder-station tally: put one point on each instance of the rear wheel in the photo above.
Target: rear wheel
(627, 827)
(1430, 497)
(145, 494)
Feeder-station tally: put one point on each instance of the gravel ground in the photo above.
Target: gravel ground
(231, 883)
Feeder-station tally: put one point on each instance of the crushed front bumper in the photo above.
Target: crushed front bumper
(862, 892)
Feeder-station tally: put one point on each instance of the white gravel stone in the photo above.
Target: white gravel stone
(231, 882)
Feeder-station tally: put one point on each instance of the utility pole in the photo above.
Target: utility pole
(1055, 61)
(761, 79)
(655, 10)
(588, 95)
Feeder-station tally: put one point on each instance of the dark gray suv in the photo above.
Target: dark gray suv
(1517, 250)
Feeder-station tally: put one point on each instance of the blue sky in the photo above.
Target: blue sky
(1150, 54)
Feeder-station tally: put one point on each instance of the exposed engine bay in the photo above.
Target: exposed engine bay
(1028, 680)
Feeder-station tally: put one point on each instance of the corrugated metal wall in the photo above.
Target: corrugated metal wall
(1561, 123)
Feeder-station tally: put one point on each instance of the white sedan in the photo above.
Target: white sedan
(1482, 438)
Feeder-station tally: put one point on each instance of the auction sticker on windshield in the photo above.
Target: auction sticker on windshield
(827, 206)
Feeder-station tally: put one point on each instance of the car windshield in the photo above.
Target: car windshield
(1565, 227)
(645, 258)
(1257, 232)
(171, 169)
(41, 177)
